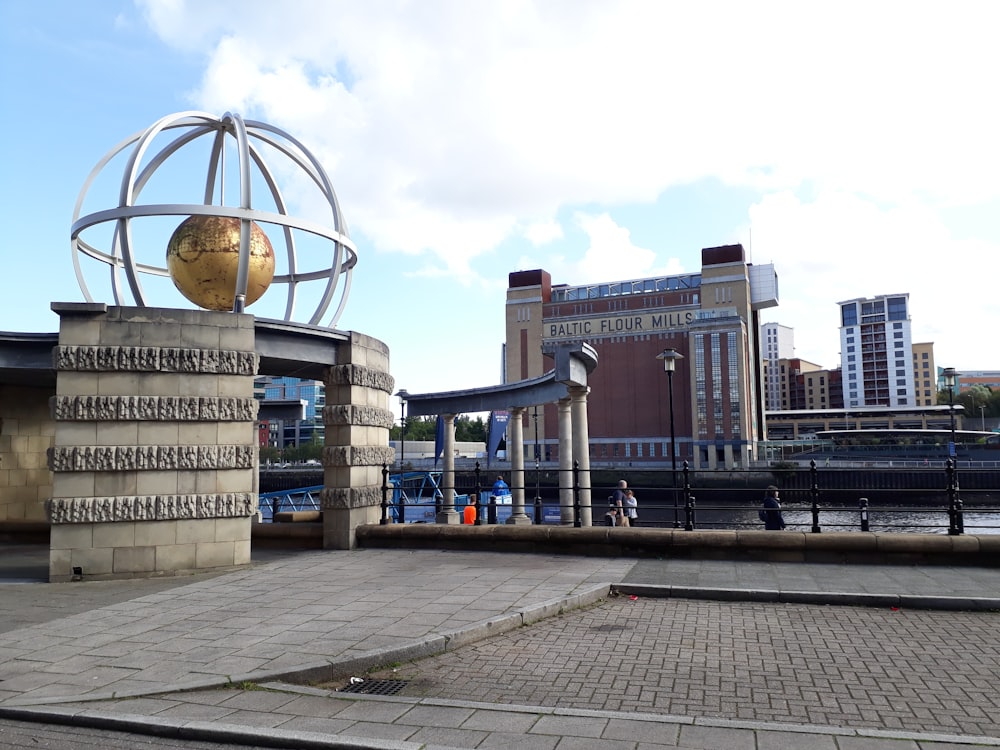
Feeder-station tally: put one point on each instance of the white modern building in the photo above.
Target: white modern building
(876, 352)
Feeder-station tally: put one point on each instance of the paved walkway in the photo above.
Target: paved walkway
(259, 653)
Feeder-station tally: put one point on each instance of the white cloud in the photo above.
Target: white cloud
(839, 247)
(452, 127)
(543, 232)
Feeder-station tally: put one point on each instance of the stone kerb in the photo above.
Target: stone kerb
(154, 459)
(357, 420)
(773, 546)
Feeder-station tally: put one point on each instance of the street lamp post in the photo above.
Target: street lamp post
(954, 504)
(982, 416)
(950, 381)
(403, 395)
(670, 358)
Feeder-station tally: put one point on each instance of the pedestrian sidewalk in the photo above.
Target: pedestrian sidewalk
(234, 643)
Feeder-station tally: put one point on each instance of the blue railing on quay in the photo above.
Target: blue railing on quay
(917, 510)
(301, 498)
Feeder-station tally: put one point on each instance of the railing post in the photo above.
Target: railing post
(863, 508)
(479, 505)
(814, 491)
(577, 522)
(955, 522)
(688, 500)
(385, 496)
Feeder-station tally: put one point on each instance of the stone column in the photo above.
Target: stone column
(565, 462)
(154, 458)
(581, 448)
(448, 513)
(515, 450)
(357, 418)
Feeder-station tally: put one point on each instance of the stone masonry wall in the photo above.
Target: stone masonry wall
(26, 434)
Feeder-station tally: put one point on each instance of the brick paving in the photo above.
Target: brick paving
(913, 670)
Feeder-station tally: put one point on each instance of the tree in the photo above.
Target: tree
(467, 430)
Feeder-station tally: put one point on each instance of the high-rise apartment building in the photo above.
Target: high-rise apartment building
(876, 352)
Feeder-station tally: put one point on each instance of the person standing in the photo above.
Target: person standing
(631, 508)
(500, 487)
(618, 501)
(770, 514)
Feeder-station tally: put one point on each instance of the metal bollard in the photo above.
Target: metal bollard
(689, 513)
(538, 510)
(863, 507)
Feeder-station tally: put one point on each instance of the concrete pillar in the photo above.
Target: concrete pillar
(565, 462)
(154, 457)
(515, 450)
(356, 443)
(581, 448)
(448, 513)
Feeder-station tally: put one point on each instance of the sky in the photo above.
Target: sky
(854, 145)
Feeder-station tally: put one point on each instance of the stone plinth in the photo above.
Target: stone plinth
(154, 459)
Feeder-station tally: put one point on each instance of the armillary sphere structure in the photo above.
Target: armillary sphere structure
(242, 242)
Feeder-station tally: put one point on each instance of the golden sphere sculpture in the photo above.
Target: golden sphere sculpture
(203, 257)
(212, 263)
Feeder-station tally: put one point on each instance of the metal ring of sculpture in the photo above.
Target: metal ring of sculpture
(248, 136)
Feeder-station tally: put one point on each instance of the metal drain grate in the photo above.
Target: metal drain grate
(376, 687)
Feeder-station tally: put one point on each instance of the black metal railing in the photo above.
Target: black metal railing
(813, 500)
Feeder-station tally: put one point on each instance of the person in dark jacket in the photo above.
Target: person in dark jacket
(770, 514)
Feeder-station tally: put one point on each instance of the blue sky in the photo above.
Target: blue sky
(854, 145)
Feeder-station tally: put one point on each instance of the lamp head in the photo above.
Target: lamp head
(950, 376)
(670, 358)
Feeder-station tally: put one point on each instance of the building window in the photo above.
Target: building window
(850, 339)
(923, 356)
(897, 326)
(897, 308)
(900, 373)
(899, 344)
(900, 381)
(852, 367)
(897, 335)
(849, 315)
(850, 349)
(850, 357)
